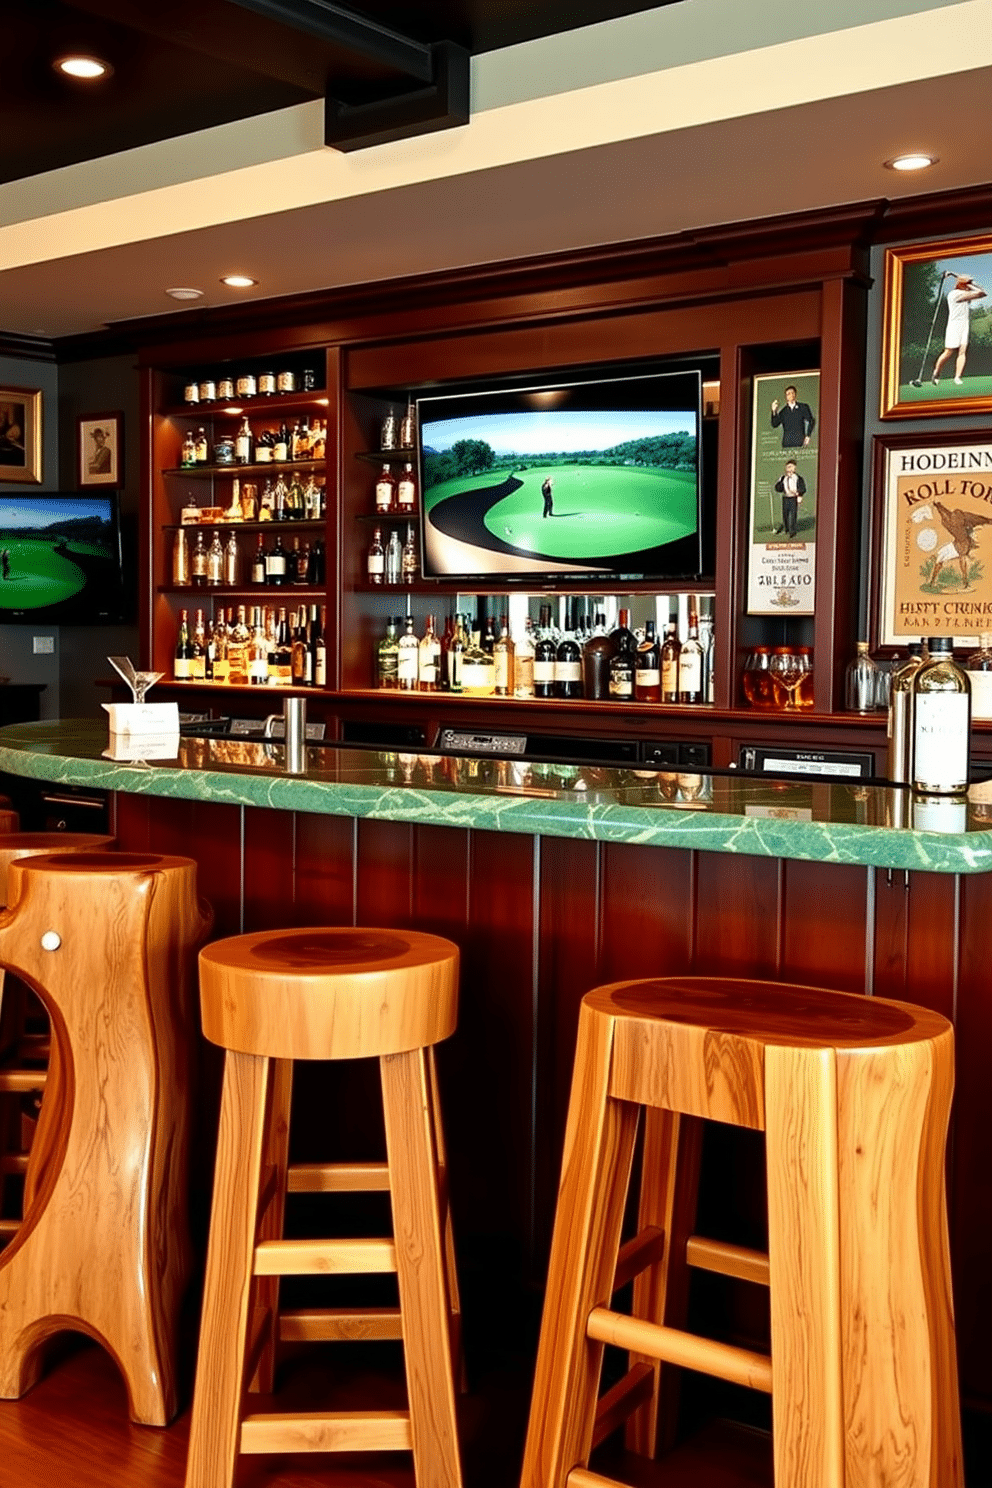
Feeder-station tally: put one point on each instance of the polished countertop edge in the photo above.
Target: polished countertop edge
(44, 752)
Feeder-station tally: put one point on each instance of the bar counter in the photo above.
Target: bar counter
(555, 879)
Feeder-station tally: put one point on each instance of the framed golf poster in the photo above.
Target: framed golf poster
(784, 453)
(937, 336)
(933, 526)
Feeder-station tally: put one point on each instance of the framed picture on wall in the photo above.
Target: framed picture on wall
(20, 434)
(784, 457)
(933, 527)
(100, 448)
(937, 337)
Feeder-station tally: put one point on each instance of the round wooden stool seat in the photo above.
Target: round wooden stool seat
(329, 994)
(33, 844)
(853, 1095)
(107, 941)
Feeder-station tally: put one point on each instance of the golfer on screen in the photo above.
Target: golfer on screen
(958, 324)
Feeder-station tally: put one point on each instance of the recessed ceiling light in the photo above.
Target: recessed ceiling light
(911, 162)
(185, 294)
(84, 67)
(238, 281)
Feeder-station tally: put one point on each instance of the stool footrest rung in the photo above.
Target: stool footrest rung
(672, 1346)
(328, 1431)
(14, 1162)
(323, 1257)
(320, 1324)
(726, 1259)
(621, 1400)
(338, 1177)
(641, 1251)
(22, 1081)
(9, 1228)
(581, 1477)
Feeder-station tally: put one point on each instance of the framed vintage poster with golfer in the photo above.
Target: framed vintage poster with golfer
(99, 449)
(784, 455)
(933, 531)
(937, 336)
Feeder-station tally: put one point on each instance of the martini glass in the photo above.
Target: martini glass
(139, 682)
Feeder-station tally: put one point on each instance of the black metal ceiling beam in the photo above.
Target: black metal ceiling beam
(333, 23)
(444, 104)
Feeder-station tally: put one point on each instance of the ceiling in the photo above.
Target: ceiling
(621, 122)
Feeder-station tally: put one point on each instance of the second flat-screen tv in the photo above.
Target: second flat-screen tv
(61, 560)
(598, 477)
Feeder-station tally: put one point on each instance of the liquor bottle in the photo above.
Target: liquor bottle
(315, 564)
(394, 558)
(258, 652)
(198, 650)
(406, 491)
(258, 562)
(232, 563)
(318, 442)
(979, 669)
(408, 660)
(237, 648)
(385, 491)
(187, 457)
(861, 682)
(280, 450)
(282, 663)
(670, 664)
(623, 661)
(301, 560)
(647, 668)
(899, 744)
(279, 494)
(408, 428)
(545, 652)
(198, 562)
(303, 440)
(269, 627)
(596, 657)
(523, 663)
(295, 507)
(267, 501)
(215, 561)
(408, 558)
(478, 670)
(184, 650)
(503, 662)
(691, 661)
(941, 723)
(311, 500)
(389, 433)
(202, 449)
(318, 648)
(275, 562)
(376, 561)
(455, 654)
(295, 441)
(707, 639)
(568, 664)
(429, 659)
(180, 560)
(488, 638)
(219, 664)
(301, 662)
(244, 445)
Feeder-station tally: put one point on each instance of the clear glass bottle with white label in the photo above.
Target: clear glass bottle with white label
(941, 723)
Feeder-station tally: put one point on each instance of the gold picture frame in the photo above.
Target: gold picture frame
(20, 435)
(937, 351)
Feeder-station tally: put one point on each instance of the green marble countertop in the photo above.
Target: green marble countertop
(835, 823)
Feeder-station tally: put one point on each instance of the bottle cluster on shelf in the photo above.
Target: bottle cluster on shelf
(581, 658)
(396, 495)
(393, 562)
(779, 678)
(244, 384)
(305, 440)
(222, 564)
(263, 647)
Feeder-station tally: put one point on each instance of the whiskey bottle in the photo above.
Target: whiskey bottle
(408, 660)
(691, 662)
(503, 662)
(670, 664)
(295, 507)
(376, 562)
(201, 448)
(478, 670)
(408, 559)
(280, 450)
(408, 428)
(596, 657)
(258, 562)
(282, 658)
(301, 663)
(647, 668)
(219, 664)
(406, 491)
(180, 560)
(523, 663)
(244, 445)
(385, 491)
(198, 562)
(187, 457)
(429, 659)
(215, 561)
(545, 652)
(184, 650)
(941, 723)
(237, 648)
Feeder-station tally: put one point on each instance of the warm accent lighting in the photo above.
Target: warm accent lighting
(913, 162)
(84, 67)
(185, 294)
(238, 281)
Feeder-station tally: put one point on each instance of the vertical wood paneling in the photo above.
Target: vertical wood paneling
(914, 938)
(736, 920)
(385, 873)
(647, 911)
(325, 870)
(208, 832)
(824, 925)
(270, 869)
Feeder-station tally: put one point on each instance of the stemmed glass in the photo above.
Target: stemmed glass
(139, 682)
(788, 668)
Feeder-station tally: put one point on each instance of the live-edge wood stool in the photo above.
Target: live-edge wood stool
(853, 1094)
(327, 994)
(108, 942)
(25, 1045)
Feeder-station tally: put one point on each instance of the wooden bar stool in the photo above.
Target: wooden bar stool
(25, 1045)
(108, 942)
(853, 1095)
(326, 994)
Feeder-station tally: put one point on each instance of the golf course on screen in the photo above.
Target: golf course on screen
(46, 562)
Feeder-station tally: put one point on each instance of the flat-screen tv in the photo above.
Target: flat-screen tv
(60, 559)
(598, 478)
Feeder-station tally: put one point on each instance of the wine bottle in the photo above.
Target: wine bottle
(181, 661)
(408, 660)
(376, 562)
(523, 662)
(670, 664)
(385, 492)
(568, 664)
(232, 562)
(690, 682)
(623, 661)
(428, 663)
(198, 650)
(275, 562)
(503, 661)
(215, 561)
(647, 668)
(180, 560)
(545, 652)
(198, 562)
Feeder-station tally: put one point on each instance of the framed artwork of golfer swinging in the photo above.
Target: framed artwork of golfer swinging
(933, 533)
(785, 413)
(937, 337)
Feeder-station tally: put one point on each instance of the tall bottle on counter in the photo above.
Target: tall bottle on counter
(941, 723)
(899, 750)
